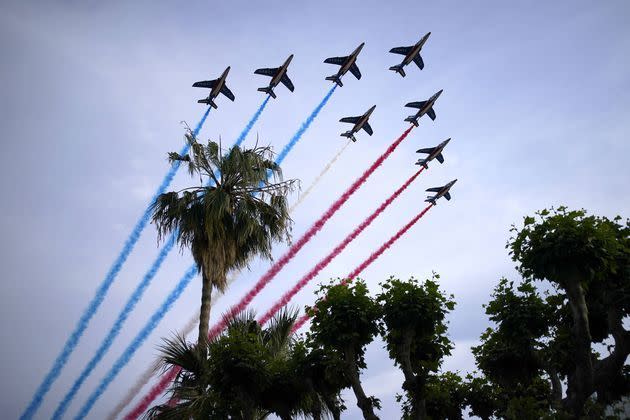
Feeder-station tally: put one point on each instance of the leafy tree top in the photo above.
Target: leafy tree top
(414, 315)
(345, 316)
(559, 243)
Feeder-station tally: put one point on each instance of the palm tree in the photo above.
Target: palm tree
(247, 373)
(237, 212)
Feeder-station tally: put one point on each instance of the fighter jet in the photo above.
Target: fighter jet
(346, 63)
(277, 75)
(411, 54)
(434, 153)
(424, 107)
(216, 86)
(440, 192)
(359, 123)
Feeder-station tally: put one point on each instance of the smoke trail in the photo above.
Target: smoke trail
(115, 330)
(251, 122)
(168, 377)
(319, 177)
(299, 244)
(284, 300)
(137, 341)
(298, 324)
(148, 374)
(298, 134)
(102, 290)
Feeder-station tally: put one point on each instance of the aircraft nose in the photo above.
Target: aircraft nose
(290, 58)
(440, 92)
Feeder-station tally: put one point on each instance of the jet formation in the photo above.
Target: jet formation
(360, 122)
(349, 63)
(411, 53)
(277, 75)
(216, 86)
(442, 191)
(424, 107)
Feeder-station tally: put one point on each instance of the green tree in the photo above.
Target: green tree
(445, 395)
(345, 320)
(248, 373)
(587, 258)
(414, 329)
(238, 211)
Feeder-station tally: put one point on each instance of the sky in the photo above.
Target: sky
(535, 100)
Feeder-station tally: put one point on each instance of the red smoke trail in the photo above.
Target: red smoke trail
(284, 300)
(298, 324)
(168, 377)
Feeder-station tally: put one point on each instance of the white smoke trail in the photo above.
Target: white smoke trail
(319, 177)
(151, 370)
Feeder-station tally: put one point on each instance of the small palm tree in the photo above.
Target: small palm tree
(237, 212)
(244, 374)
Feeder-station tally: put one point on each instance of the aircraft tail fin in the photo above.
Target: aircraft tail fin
(268, 91)
(412, 120)
(350, 135)
(208, 102)
(335, 79)
(398, 69)
(431, 199)
(422, 162)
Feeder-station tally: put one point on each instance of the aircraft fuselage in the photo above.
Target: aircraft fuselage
(351, 60)
(281, 72)
(415, 50)
(217, 88)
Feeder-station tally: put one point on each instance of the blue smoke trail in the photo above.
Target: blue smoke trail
(162, 310)
(140, 289)
(298, 134)
(115, 330)
(251, 122)
(137, 341)
(98, 298)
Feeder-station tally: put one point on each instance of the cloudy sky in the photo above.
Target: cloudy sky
(535, 99)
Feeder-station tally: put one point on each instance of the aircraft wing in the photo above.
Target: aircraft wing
(418, 60)
(287, 82)
(447, 195)
(368, 129)
(351, 120)
(227, 92)
(440, 158)
(428, 150)
(434, 189)
(416, 104)
(354, 69)
(431, 113)
(267, 72)
(336, 60)
(401, 50)
(206, 84)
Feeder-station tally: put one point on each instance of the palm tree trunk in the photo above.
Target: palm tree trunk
(204, 313)
(363, 402)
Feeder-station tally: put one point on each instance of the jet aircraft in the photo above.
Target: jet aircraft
(346, 63)
(424, 107)
(216, 86)
(434, 153)
(411, 54)
(360, 122)
(442, 191)
(277, 75)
